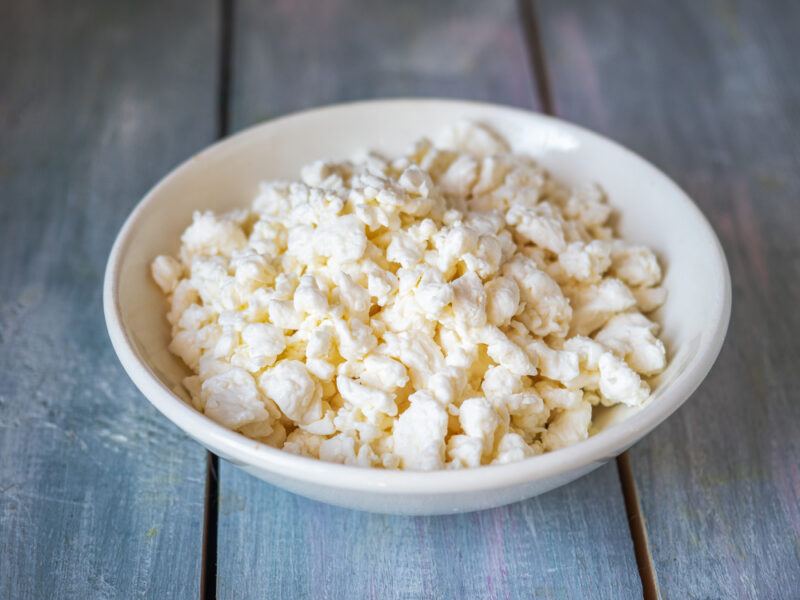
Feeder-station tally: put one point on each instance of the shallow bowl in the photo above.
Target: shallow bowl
(650, 209)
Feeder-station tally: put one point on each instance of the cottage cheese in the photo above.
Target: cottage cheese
(451, 308)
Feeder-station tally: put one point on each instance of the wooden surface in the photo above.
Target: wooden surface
(571, 543)
(101, 497)
(289, 55)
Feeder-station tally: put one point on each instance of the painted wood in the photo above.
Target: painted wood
(709, 92)
(291, 55)
(100, 496)
(571, 543)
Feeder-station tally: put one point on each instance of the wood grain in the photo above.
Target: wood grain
(291, 55)
(571, 543)
(709, 92)
(100, 496)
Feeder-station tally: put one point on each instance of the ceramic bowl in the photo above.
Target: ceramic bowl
(651, 209)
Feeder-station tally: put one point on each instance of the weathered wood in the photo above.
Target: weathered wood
(709, 91)
(100, 496)
(571, 543)
(293, 55)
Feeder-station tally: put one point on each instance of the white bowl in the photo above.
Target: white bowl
(651, 208)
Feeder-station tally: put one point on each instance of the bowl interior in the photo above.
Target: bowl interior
(650, 210)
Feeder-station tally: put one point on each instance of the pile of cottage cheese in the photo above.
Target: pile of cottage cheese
(452, 308)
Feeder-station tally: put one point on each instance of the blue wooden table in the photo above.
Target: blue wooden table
(101, 497)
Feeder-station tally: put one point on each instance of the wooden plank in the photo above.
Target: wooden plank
(709, 92)
(99, 495)
(294, 55)
(573, 542)
(570, 543)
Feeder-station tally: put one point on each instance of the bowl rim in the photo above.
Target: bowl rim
(246, 452)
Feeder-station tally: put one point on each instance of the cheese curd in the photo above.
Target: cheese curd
(451, 308)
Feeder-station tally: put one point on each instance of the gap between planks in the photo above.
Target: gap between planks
(633, 509)
(208, 573)
(641, 545)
